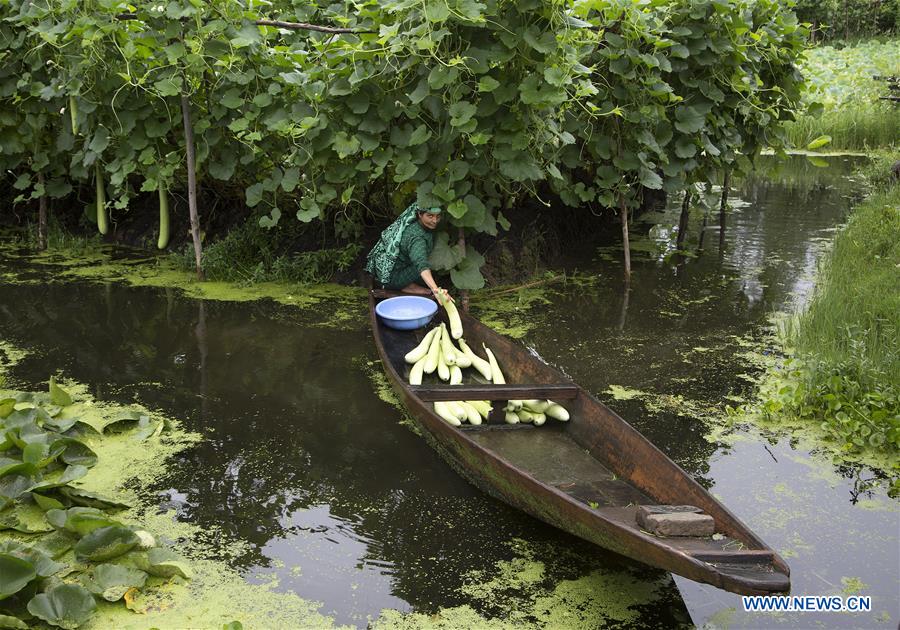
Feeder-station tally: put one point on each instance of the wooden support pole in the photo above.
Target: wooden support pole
(723, 205)
(192, 178)
(683, 219)
(42, 214)
(463, 294)
(623, 213)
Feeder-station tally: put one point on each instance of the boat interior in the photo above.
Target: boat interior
(583, 458)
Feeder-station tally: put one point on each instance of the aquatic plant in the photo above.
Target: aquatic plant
(843, 352)
(75, 549)
(843, 95)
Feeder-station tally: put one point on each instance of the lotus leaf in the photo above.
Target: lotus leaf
(55, 544)
(12, 622)
(14, 486)
(7, 405)
(112, 581)
(67, 606)
(20, 417)
(61, 425)
(15, 574)
(76, 452)
(35, 452)
(91, 499)
(105, 543)
(47, 503)
(81, 520)
(25, 518)
(165, 563)
(20, 468)
(43, 564)
(58, 395)
(124, 421)
(71, 473)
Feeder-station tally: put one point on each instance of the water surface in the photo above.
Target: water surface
(339, 500)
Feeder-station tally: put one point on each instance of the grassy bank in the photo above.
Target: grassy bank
(843, 370)
(841, 79)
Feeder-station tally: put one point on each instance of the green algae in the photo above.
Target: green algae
(623, 393)
(346, 305)
(217, 594)
(522, 592)
(510, 313)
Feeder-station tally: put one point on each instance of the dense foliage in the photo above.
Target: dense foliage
(850, 18)
(467, 104)
(842, 80)
(843, 369)
(58, 528)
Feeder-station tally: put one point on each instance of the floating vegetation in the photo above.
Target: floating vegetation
(510, 311)
(64, 547)
(526, 592)
(100, 557)
(106, 264)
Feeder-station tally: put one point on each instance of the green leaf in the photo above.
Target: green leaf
(467, 275)
(521, 168)
(444, 256)
(222, 165)
(290, 179)
(248, 35)
(87, 498)
(14, 623)
(685, 147)
(7, 406)
(111, 581)
(43, 564)
(75, 452)
(541, 42)
(80, 520)
(167, 87)
(58, 395)
(487, 84)
(461, 113)
(163, 562)
(46, 503)
(818, 143)
(100, 140)
(689, 119)
(15, 574)
(420, 135)
(309, 210)
(105, 543)
(345, 144)
(67, 606)
(232, 99)
(650, 179)
(70, 474)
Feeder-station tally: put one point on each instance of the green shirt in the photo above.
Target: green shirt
(415, 248)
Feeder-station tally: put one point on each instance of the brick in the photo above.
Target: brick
(679, 524)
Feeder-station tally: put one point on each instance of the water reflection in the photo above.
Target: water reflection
(331, 495)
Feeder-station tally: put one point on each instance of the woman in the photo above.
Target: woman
(400, 258)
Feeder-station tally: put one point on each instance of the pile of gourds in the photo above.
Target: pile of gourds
(438, 353)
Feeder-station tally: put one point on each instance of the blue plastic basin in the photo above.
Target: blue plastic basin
(406, 312)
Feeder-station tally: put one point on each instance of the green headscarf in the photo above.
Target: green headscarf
(381, 260)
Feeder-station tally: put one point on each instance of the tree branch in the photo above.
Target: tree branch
(294, 26)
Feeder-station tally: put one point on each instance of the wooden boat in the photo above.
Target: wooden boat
(587, 476)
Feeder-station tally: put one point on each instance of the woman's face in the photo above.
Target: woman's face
(429, 220)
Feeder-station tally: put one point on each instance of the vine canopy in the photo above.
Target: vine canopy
(468, 104)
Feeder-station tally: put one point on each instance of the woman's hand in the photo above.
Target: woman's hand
(438, 292)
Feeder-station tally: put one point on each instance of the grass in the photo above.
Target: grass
(843, 369)
(852, 129)
(250, 254)
(841, 80)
